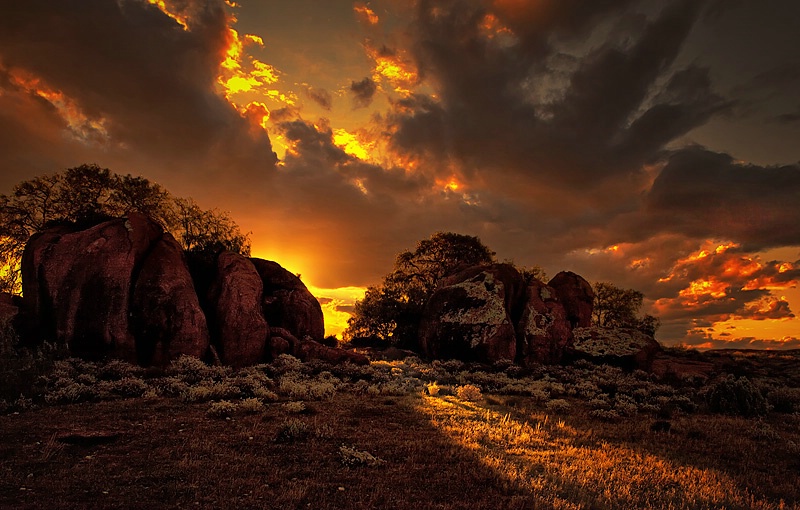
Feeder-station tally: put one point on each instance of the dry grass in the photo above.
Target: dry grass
(393, 435)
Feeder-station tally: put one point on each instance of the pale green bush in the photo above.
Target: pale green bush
(221, 409)
(354, 458)
(558, 406)
(251, 406)
(291, 430)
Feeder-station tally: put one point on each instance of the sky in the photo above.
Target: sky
(652, 144)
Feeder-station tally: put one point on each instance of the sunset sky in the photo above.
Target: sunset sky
(653, 144)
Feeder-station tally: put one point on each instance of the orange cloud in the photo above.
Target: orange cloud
(365, 14)
(733, 291)
(391, 67)
(78, 124)
(181, 19)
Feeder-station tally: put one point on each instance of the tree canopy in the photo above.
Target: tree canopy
(391, 311)
(89, 194)
(615, 307)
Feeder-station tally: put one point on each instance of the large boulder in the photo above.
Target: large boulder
(82, 283)
(236, 317)
(577, 297)
(626, 348)
(543, 330)
(38, 303)
(288, 303)
(165, 313)
(470, 316)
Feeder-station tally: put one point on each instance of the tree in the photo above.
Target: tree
(392, 310)
(88, 195)
(615, 307)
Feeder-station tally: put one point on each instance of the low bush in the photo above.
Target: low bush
(729, 395)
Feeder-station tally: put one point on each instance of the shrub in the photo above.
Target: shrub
(291, 430)
(294, 407)
(728, 395)
(287, 363)
(221, 409)
(71, 393)
(353, 458)
(251, 406)
(190, 369)
(607, 415)
(128, 387)
(212, 390)
(558, 406)
(114, 370)
(785, 400)
(469, 392)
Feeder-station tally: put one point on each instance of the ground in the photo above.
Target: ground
(385, 436)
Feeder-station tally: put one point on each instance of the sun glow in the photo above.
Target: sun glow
(353, 144)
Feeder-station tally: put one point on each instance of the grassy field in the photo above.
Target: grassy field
(402, 434)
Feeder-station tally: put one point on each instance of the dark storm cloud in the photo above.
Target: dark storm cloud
(127, 64)
(705, 194)
(320, 96)
(491, 113)
(363, 92)
(789, 118)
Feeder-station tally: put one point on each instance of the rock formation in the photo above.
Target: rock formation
(124, 289)
(487, 313)
(543, 331)
(469, 316)
(287, 302)
(576, 295)
(236, 314)
(627, 348)
(165, 315)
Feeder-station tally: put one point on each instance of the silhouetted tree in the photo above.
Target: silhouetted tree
(615, 307)
(391, 311)
(89, 194)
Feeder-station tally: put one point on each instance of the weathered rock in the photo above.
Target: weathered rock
(469, 317)
(38, 303)
(309, 349)
(543, 330)
(577, 297)
(166, 317)
(626, 348)
(237, 323)
(278, 345)
(288, 303)
(292, 341)
(82, 283)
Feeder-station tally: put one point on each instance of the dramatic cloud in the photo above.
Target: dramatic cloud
(705, 194)
(126, 79)
(320, 96)
(363, 91)
(599, 136)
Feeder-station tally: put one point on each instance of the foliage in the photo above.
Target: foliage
(729, 395)
(88, 194)
(392, 310)
(615, 307)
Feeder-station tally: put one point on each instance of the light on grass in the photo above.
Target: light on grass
(552, 460)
